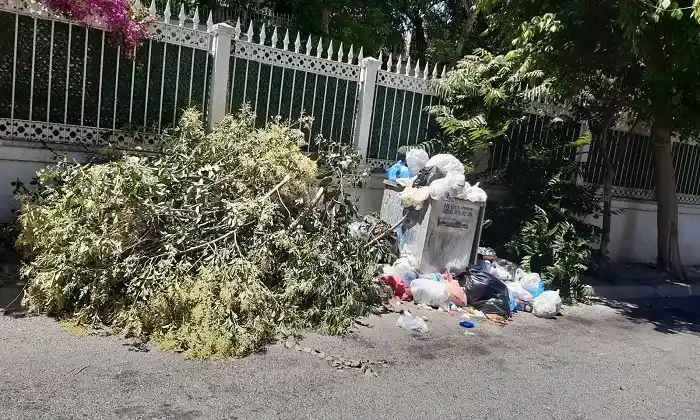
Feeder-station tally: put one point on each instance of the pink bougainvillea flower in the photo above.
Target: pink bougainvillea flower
(127, 23)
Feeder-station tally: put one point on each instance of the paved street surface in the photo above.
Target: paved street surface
(594, 362)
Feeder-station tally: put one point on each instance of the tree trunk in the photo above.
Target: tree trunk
(467, 25)
(421, 43)
(668, 253)
(325, 21)
(610, 171)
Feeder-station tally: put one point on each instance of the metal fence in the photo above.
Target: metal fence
(64, 83)
(67, 84)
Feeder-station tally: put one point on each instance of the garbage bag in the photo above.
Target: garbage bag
(547, 305)
(358, 230)
(519, 292)
(475, 194)
(409, 322)
(441, 187)
(398, 170)
(532, 283)
(429, 292)
(414, 197)
(485, 292)
(416, 159)
(406, 263)
(486, 251)
(455, 292)
(405, 182)
(427, 176)
(446, 163)
(495, 269)
(398, 285)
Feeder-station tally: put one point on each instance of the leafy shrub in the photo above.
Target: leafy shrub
(200, 248)
(541, 222)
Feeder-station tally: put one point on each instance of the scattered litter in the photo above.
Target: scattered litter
(468, 333)
(466, 324)
(497, 319)
(474, 314)
(409, 322)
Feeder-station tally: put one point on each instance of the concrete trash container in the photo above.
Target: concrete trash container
(444, 234)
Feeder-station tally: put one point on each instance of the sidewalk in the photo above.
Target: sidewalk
(637, 281)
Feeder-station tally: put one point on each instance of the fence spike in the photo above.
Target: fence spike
(166, 13)
(360, 56)
(285, 41)
(195, 18)
(389, 64)
(408, 65)
(210, 22)
(329, 52)
(308, 46)
(237, 29)
(249, 34)
(351, 54)
(263, 34)
(340, 53)
(416, 71)
(138, 3)
(182, 16)
(426, 70)
(444, 71)
(319, 47)
(152, 9)
(435, 71)
(274, 38)
(297, 43)
(398, 65)
(381, 58)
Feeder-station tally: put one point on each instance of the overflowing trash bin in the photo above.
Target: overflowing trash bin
(437, 219)
(443, 234)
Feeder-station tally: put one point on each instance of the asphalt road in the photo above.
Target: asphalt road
(594, 362)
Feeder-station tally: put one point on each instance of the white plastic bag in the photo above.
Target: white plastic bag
(416, 160)
(475, 194)
(440, 187)
(406, 263)
(446, 163)
(547, 305)
(499, 272)
(519, 292)
(530, 280)
(414, 197)
(411, 323)
(406, 182)
(429, 292)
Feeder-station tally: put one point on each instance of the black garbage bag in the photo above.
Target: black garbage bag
(427, 175)
(485, 292)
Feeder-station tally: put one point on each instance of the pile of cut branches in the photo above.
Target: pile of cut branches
(214, 248)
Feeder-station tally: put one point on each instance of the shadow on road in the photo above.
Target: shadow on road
(668, 315)
(11, 287)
